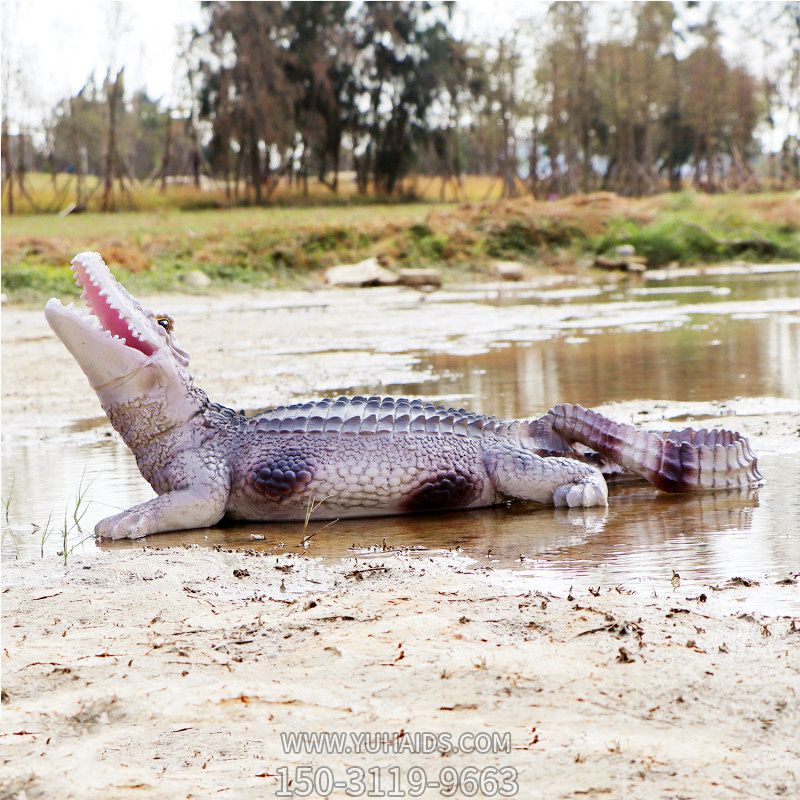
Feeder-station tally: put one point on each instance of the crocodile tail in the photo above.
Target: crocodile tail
(676, 461)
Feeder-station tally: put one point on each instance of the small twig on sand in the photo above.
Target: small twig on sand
(310, 536)
(7, 500)
(311, 507)
(358, 574)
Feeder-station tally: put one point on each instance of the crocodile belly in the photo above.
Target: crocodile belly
(277, 476)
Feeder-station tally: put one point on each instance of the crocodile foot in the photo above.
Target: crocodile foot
(583, 494)
(127, 525)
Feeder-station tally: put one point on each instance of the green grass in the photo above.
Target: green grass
(7, 500)
(152, 251)
(690, 229)
(290, 247)
(141, 225)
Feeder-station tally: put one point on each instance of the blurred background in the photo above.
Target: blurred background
(107, 105)
(402, 108)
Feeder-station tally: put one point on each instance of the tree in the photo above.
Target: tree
(113, 167)
(320, 46)
(567, 74)
(407, 81)
(289, 91)
(246, 92)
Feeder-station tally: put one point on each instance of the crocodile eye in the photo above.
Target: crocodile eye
(165, 323)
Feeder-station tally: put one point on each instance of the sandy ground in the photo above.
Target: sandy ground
(172, 673)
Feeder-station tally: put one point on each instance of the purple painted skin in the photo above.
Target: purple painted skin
(352, 457)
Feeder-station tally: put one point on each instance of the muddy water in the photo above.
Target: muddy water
(703, 346)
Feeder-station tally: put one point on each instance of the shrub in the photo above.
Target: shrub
(433, 246)
(512, 239)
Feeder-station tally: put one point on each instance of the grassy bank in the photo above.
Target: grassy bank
(284, 247)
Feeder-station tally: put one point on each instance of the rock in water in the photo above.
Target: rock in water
(509, 270)
(197, 279)
(419, 277)
(366, 273)
(627, 264)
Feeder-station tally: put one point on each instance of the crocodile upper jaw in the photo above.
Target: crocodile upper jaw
(111, 338)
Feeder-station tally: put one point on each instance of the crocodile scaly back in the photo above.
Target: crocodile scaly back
(370, 415)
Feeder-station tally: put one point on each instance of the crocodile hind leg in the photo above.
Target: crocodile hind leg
(674, 461)
(521, 474)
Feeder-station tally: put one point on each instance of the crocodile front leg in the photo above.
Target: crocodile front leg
(521, 474)
(202, 486)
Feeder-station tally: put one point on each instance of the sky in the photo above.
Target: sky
(55, 46)
(52, 46)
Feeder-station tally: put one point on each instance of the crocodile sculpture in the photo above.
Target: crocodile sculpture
(359, 456)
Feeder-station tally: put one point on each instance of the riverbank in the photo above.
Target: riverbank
(268, 248)
(174, 672)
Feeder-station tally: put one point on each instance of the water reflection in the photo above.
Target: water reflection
(578, 540)
(642, 538)
(707, 359)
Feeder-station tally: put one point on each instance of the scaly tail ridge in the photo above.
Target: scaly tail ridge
(676, 461)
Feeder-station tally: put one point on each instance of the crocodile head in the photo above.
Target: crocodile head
(128, 353)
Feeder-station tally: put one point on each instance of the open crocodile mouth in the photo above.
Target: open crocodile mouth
(106, 312)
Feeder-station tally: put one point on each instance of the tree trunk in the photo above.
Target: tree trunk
(509, 173)
(9, 168)
(166, 157)
(79, 158)
(533, 163)
(111, 161)
(255, 168)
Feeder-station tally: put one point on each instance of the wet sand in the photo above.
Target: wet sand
(173, 671)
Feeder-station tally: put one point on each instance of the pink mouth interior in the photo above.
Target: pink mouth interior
(109, 317)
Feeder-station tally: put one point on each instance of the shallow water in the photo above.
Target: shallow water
(701, 341)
